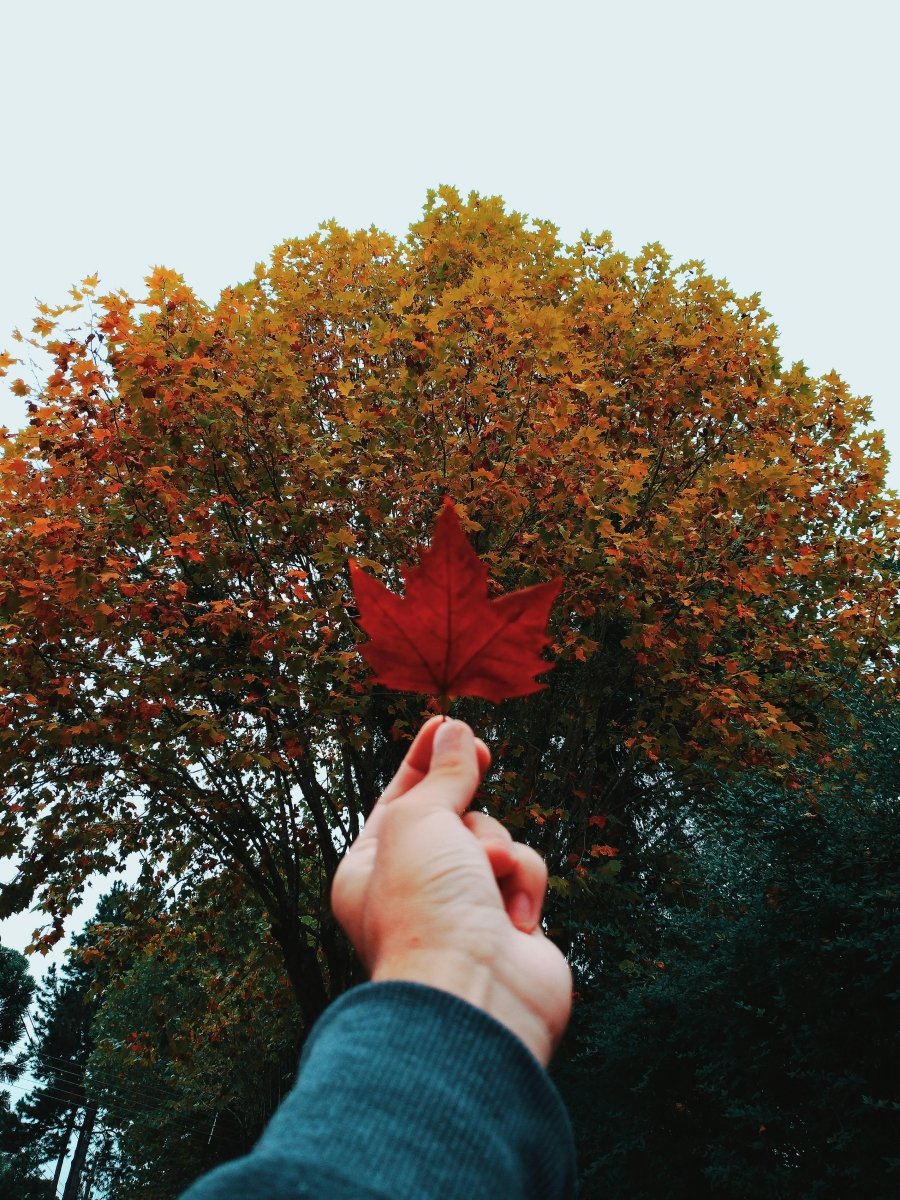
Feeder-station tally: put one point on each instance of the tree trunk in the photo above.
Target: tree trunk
(303, 968)
(81, 1148)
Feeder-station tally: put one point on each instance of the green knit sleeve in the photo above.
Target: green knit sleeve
(405, 1092)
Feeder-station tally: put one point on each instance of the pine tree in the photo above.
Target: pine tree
(19, 1165)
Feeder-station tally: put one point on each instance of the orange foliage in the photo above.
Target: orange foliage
(179, 513)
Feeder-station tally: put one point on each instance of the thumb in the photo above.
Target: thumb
(454, 772)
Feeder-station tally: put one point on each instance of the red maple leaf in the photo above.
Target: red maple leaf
(445, 636)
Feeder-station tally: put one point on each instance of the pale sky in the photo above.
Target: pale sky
(760, 137)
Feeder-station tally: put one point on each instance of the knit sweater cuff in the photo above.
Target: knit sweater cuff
(405, 1091)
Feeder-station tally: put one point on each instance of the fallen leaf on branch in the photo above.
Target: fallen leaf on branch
(445, 637)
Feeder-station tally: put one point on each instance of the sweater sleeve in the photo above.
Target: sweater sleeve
(407, 1092)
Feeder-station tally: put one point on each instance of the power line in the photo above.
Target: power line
(101, 1126)
(74, 1082)
(164, 1095)
(68, 1067)
(66, 1098)
(68, 1087)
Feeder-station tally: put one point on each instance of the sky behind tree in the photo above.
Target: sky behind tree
(197, 135)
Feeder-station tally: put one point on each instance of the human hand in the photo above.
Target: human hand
(433, 894)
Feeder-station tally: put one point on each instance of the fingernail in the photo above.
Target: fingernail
(449, 733)
(521, 911)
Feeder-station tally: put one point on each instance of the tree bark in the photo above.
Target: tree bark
(303, 968)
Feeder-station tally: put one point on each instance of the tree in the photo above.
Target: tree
(64, 1104)
(195, 1037)
(19, 1166)
(20, 1174)
(166, 1043)
(58, 1107)
(16, 990)
(742, 1031)
(179, 676)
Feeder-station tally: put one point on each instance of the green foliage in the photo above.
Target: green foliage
(171, 1031)
(19, 1164)
(56, 1107)
(20, 1177)
(41, 1129)
(16, 990)
(748, 1048)
(196, 1035)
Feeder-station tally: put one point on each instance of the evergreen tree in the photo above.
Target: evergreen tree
(743, 1045)
(197, 1034)
(19, 1165)
(16, 990)
(59, 1107)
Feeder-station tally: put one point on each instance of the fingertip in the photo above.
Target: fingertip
(419, 753)
(451, 734)
(427, 733)
(453, 776)
(522, 912)
(442, 732)
(525, 890)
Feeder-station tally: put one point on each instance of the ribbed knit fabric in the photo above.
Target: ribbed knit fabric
(408, 1093)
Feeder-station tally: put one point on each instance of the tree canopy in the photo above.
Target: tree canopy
(179, 676)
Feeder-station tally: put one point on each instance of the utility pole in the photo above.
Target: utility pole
(63, 1151)
(73, 1181)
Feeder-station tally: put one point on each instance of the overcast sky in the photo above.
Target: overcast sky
(760, 137)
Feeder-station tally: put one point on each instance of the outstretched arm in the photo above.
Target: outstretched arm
(428, 1081)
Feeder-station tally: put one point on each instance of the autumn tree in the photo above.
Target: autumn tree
(179, 676)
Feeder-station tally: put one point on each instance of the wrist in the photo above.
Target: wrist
(476, 981)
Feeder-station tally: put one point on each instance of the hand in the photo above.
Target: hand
(434, 894)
